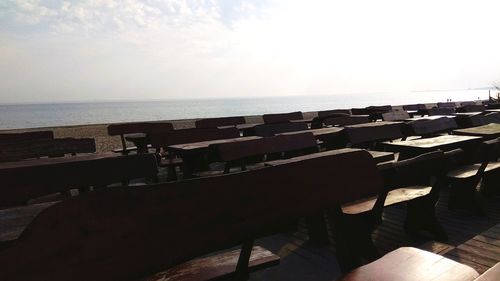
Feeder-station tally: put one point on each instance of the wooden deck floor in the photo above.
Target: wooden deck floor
(473, 240)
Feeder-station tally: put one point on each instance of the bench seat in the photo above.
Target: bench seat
(411, 264)
(393, 197)
(471, 170)
(216, 266)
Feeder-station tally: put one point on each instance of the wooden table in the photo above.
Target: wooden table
(140, 140)
(331, 137)
(414, 147)
(489, 131)
(378, 156)
(191, 152)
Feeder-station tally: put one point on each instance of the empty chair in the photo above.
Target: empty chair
(269, 130)
(441, 111)
(122, 129)
(46, 148)
(238, 153)
(6, 138)
(282, 117)
(219, 122)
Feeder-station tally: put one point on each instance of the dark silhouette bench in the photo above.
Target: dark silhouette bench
(46, 148)
(270, 130)
(219, 122)
(7, 138)
(282, 117)
(133, 233)
(122, 129)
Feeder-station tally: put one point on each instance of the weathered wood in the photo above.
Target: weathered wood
(441, 111)
(446, 105)
(493, 274)
(185, 136)
(282, 117)
(471, 108)
(28, 179)
(488, 131)
(272, 129)
(395, 115)
(326, 113)
(413, 107)
(430, 127)
(347, 120)
(408, 264)
(221, 265)
(121, 129)
(6, 138)
(132, 233)
(46, 148)
(219, 122)
(374, 132)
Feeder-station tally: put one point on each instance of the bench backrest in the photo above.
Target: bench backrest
(6, 138)
(347, 120)
(29, 179)
(427, 127)
(395, 115)
(326, 113)
(269, 130)
(219, 122)
(127, 234)
(441, 111)
(414, 106)
(46, 148)
(471, 108)
(282, 117)
(227, 152)
(446, 105)
(364, 134)
(139, 127)
(163, 140)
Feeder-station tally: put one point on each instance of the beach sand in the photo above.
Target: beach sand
(106, 143)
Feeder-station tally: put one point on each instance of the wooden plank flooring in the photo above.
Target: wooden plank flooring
(473, 240)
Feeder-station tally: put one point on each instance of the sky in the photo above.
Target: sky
(94, 50)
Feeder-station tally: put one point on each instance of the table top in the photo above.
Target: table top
(375, 124)
(432, 117)
(379, 156)
(492, 110)
(196, 146)
(434, 142)
(492, 129)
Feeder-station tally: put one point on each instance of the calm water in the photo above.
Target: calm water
(58, 114)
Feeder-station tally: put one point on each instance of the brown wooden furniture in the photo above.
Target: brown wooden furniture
(282, 146)
(24, 180)
(165, 145)
(122, 129)
(489, 131)
(412, 264)
(370, 134)
(464, 180)
(219, 122)
(282, 117)
(441, 111)
(447, 105)
(327, 113)
(330, 138)
(471, 108)
(395, 115)
(6, 138)
(414, 147)
(347, 120)
(45, 148)
(129, 234)
(269, 130)
(430, 127)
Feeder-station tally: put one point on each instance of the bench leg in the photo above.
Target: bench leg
(316, 228)
(421, 215)
(353, 242)
(463, 195)
(242, 272)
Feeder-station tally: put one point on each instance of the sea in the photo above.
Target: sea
(16, 116)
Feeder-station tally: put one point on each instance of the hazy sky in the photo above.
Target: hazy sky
(102, 49)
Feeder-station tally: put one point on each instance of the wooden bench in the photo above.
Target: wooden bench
(441, 111)
(430, 127)
(46, 148)
(327, 113)
(136, 232)
(446, 105)
(471, 108)
(282, 117)
(395, 115)
(122, 129)
(269, 130)
(411, 264)
(219, 122)
(281, 146)
(464, 180)
(370, 134)
(162, 140)
(346, 120)
(7, 138)
(407, 181)
(24, 180)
